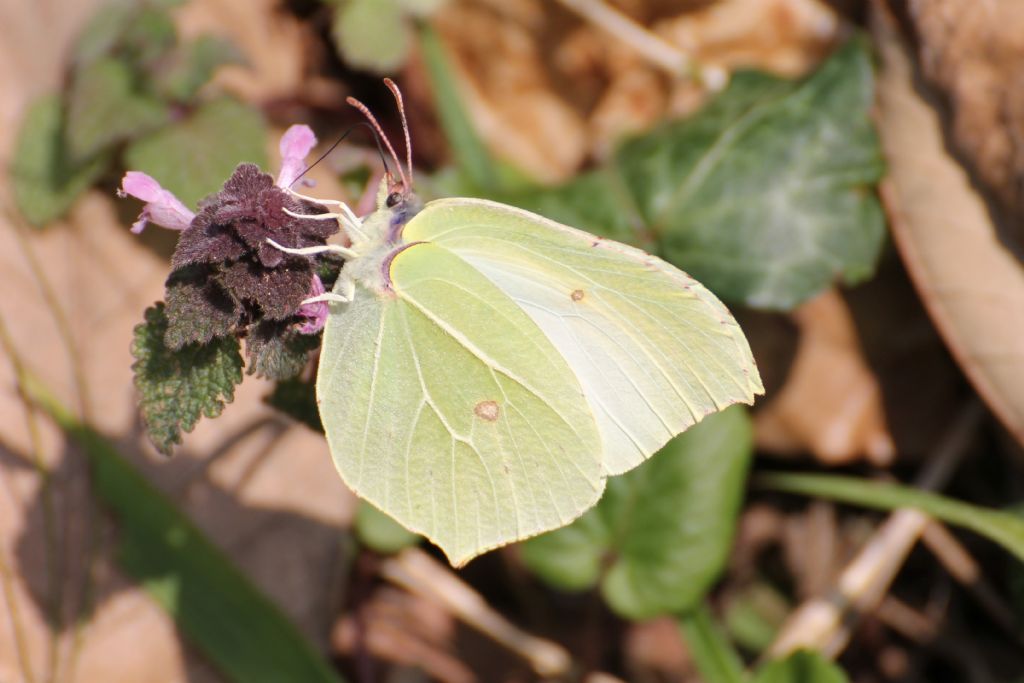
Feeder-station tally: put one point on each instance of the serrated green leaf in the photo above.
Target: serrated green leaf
(297, 399)
(193, 66)
(215, 605)
(193, 157)
(371, 34)
(101, 34)
(176, 388)
(198, 309)
(44, 181)
(663, 530)
(766, 195)
(276, 351)
(803, 666)
(1004, 528)
(106, 107)
(138, 33)
(380, 532)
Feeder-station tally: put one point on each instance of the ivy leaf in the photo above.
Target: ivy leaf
(193, 66)
(44, 180)
(177, 387)
(105, 106)
(663, 530)
(297, 399)
(766, 195)
(192, 157)
(276, 351)
(803, 666)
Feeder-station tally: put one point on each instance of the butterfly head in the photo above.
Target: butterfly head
(395, 196)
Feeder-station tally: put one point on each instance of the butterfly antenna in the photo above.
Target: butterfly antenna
(387, 143)
(337, 142)
(405, 124)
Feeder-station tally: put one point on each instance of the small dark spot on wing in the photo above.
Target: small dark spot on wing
(577, 295)
(487, 411)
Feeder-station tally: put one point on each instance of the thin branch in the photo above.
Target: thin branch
(651, 46)
(422, 575)
(823, 623)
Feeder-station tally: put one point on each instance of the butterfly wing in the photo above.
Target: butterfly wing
(447, 407)
(652, 348)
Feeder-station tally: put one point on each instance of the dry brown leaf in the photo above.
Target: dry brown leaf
(272, 40)
(974, 51)
(971, 282)
(830, 404)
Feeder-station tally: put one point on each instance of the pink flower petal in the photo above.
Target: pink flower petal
(162, 207)
(296, 144)
(315, 313)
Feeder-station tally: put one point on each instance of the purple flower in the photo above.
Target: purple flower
(162, 207)
(166, 210)
(314, 313)
(295, 145)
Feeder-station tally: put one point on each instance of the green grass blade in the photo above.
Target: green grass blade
(716, 659)
(469, 151)
(1001, 527)
(217, 608)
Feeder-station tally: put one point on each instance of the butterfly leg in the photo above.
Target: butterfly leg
(343, 292)
(312, 251)
(346, 218)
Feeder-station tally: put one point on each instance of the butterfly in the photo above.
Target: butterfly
(484, 369)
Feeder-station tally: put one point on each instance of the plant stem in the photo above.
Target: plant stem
(51, 561)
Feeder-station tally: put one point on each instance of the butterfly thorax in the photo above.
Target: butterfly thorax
(382, 240)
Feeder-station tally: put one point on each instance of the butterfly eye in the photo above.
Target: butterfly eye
(393, 199)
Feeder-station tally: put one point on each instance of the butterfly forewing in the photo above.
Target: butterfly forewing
(446, 406)
(653, 350)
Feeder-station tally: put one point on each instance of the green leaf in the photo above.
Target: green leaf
(105, 106)
(44, 181)
(711, 651)
(371, 34)
(421, 8)
(214, 604)
(276, 351)
(766, 195)
(193, 66)
(176, 388)
(193, 157)
(1004, 528)
(137, 33)
(297, 399)
(803, 666)
(754, 614)
(198, 309)
(380, 532)
(663, 530)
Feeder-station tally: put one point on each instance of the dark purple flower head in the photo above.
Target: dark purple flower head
(226, 278)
